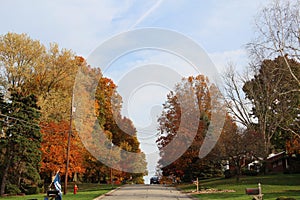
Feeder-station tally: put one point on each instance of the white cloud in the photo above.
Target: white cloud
(148, 12)
(77, 25)
(237, 57)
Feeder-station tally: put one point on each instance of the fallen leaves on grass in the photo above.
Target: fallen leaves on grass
(212, 190)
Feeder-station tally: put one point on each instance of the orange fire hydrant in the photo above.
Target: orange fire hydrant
(75, 189)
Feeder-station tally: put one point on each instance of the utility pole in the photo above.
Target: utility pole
(68, 147)
(111, 170)
(111, 178)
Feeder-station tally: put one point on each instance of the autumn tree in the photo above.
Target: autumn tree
(104, 131)
(237, 146)
(275, 108)
(19, 57)
(128, 141)
(95, 171)
(180, 118)
(2, 115)
(293, 146)
(20, 142)
(123, 133)
(54, 145)
(48, 73)
(54, 83)
(273, 91)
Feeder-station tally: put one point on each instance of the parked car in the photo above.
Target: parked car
(154, 180)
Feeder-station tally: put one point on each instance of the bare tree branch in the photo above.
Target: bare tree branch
(236, 103)
(278, 33)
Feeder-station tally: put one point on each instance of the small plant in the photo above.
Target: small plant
(32, 190)
(12, 189)
(285, 198)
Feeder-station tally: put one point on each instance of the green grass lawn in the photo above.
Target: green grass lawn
(85, 192)
(273, 186)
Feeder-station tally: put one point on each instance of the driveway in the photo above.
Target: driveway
(149, 192)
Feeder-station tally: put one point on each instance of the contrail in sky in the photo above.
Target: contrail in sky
(156, 5)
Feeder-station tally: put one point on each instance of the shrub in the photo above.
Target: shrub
(227, 174)
(139, 180)
(248, 172)
(32, 190)
(12, 189)
(285, 198)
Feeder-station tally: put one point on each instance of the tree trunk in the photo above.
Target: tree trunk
(4, 176)
(265, 135)
(238, 173)
(75, 178)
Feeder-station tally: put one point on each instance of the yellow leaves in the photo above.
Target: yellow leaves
(56, 106)
(19, 56)
(28, 65)
(125, 146)
(49, 73)
(108, 135)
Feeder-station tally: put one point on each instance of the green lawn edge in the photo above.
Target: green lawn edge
(86, 192)
(273, 186)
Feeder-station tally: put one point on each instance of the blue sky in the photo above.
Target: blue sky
(220, 27)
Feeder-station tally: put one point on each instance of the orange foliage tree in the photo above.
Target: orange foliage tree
(171, 119)
(104, 131)
(122, 131)
(293, 145)
(54, 145)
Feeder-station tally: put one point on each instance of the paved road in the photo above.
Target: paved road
(149, 192)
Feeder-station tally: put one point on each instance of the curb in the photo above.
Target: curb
(107, 194)
(189, 195)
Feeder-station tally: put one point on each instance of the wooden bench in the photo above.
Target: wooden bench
(255, 192)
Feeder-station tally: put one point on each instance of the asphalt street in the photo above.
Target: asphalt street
(149, 192)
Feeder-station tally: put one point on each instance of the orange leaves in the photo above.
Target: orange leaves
(54, 147)
(97, 107)
(293, 145)
(186, 116)
(80, 60)
(50, 74)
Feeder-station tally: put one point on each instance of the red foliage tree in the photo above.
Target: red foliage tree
(54, 146)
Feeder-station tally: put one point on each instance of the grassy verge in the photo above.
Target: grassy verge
(85, 192)
(273, 186)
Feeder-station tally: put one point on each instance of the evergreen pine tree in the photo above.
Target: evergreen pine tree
(2, 120)
(20, 145)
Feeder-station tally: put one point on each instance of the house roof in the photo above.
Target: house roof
(274, 156)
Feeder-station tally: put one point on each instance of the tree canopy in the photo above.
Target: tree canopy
(36, 86)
